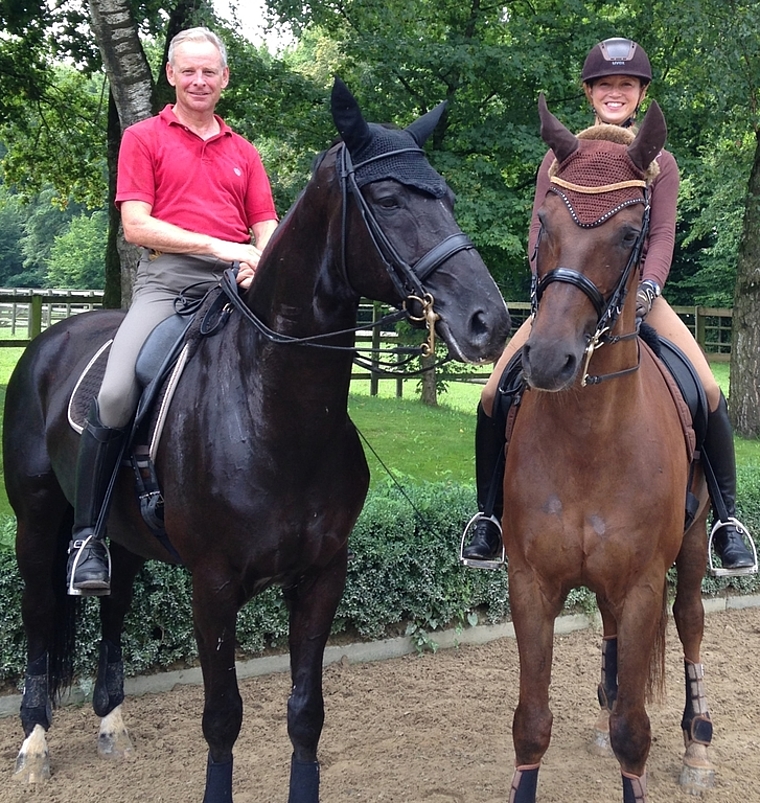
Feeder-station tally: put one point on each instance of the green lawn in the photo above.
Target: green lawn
(414, 442)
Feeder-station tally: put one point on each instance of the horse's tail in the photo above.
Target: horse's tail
(656, 679)
(67, 608)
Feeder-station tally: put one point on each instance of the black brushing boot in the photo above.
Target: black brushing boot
(89, 567)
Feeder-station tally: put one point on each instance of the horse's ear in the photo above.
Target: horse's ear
(650, 139)
(424, 126)
(348, 119)
(554, 134)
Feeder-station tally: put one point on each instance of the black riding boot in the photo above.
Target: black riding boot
(729, 533)
(89, 567)
(490, 440)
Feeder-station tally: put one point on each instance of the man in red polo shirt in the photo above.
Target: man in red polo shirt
(193, 194)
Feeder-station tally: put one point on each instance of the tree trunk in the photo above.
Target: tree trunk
(429, 393)
(131, 84)
(745, 351)
(115, 31)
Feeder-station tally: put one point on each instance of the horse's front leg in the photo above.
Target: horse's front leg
(533, 616)
(698, 772)
(215, 607)
(312, 603)
(641, 633)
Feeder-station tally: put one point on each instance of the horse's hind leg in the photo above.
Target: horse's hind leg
(108, 693)
(48, 615)
(312, 604)
(607, 689)
(698, 773)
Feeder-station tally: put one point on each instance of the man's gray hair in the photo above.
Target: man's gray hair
(198, 35)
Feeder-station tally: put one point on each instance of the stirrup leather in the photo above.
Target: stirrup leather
(719, 571)
(477, 563)
(78, 546)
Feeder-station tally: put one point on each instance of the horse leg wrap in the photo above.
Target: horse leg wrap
(634, 788)
(218, 781)
(524, 783)
(36, 707)
(109, 684)
(304, 781)
(696, 723)
(607, 690)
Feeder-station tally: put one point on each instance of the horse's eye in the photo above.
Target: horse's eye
(630, 236)
(388, 202)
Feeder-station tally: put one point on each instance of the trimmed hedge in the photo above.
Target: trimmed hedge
(404, 578)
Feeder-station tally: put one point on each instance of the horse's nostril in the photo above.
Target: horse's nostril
(479, 323)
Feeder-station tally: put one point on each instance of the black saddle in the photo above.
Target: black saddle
(685, 377)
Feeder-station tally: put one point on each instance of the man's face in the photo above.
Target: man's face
(197, 76)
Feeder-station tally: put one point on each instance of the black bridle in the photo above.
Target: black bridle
(407, 278)
(608, 309)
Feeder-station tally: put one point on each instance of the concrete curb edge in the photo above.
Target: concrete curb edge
(361, 652)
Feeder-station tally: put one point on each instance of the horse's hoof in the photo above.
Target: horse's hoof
(698, 773)
(600, 746)
(33, 760)
(113, 739)
(696, 780)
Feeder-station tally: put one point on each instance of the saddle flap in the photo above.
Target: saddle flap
(160, 348)
(689, 384)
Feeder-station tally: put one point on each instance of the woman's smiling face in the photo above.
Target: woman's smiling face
(615, 98)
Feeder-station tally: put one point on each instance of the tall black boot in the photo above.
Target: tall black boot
(485, 543)
(89, 567)
(728, 533)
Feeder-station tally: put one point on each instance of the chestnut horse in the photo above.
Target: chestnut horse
(598, 466)
(262, 470)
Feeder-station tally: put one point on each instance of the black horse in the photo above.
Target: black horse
(270, 476)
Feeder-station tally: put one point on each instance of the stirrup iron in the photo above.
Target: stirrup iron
(478, 563)
(79, 545)
(719, 571)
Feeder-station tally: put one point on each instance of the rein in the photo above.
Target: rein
(234, 301)
(608, 310)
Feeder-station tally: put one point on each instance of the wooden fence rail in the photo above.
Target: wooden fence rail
(31, 311)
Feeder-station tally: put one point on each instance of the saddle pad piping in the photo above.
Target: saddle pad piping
(74, 425)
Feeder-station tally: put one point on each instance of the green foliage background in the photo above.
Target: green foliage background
(489, 61)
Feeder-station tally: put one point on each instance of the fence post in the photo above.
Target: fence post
(700, 327)
(35, 315)
(374, 378)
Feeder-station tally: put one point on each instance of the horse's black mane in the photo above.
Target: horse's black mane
(651, 338)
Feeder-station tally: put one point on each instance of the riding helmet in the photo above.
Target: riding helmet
(617, 56)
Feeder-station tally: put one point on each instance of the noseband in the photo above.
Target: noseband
(407, 278)
(607, 309)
